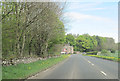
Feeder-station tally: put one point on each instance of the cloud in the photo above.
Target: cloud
(112, 35)
(79, 17)
(85, 6)
(76, 16)
(93, 25)
(92, 0)
(89, 9)
(82, 20)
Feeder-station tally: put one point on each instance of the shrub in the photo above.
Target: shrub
(74, 52)
(92, 52)
(104, 51)
(112, 51)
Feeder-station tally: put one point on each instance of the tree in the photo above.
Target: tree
(86, 43)
(30, 27)
(100, 41)
(70, 39)
(109, 44)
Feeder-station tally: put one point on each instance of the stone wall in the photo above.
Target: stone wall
(23, 60)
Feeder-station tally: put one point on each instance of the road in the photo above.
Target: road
(78, 66)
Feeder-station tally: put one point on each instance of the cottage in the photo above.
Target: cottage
(67, 49)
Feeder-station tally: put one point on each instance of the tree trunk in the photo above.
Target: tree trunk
(30, 45)
(23, 44)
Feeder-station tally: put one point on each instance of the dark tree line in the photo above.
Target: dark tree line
(86, 43)
(31, 28)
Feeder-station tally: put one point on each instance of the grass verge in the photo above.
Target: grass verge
(106, 57)
(22, 71)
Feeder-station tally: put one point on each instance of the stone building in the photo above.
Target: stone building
(67, 49)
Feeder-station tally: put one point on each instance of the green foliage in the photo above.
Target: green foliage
(93, 52)
(87, 43)
(31, 28)
(112, 51)
(70, 39)
(113, 57)
(55, 50)
(104, 51)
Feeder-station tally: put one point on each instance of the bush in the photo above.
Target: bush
(74, 52)
(112, 51)
(92, 52)
(104, 51)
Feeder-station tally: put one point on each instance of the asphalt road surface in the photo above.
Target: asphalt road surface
(78, 66)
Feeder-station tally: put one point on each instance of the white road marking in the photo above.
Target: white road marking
(89, 61)
(92, 64)
(103, 73)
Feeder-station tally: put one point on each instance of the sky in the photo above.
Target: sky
(93, 18)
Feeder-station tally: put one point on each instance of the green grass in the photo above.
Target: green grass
(92, 52)
(106, 57)
(110, 54)
(22, 71)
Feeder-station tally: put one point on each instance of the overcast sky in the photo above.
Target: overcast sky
(94, 18)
